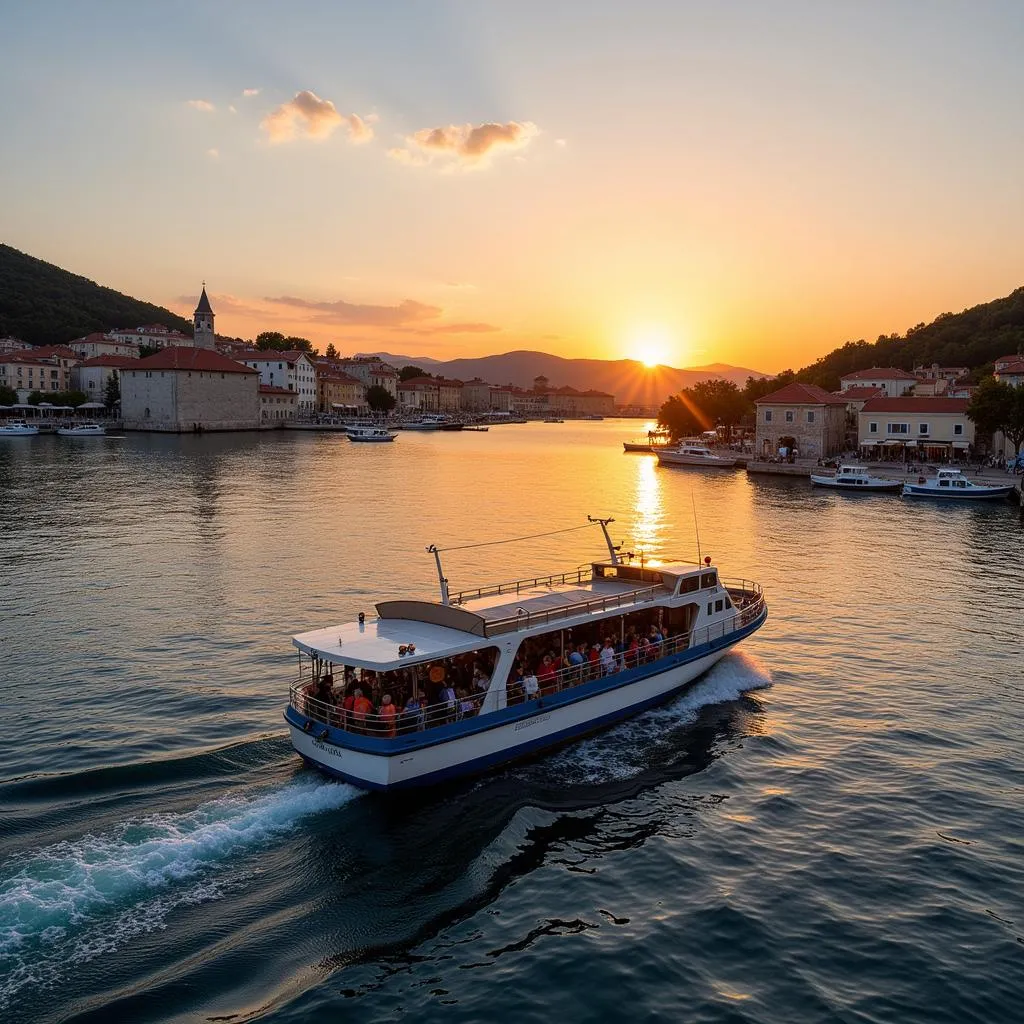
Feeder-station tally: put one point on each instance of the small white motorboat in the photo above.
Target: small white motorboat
(17, 428)
(371, 434)
(693, 455)
(83, 430)
(856, 478)
(951, 483)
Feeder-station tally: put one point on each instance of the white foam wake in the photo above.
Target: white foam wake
(626, 750)
(98, 883)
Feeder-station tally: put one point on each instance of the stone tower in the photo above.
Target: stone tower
(202, 323)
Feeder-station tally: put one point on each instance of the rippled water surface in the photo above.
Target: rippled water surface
(829, 826)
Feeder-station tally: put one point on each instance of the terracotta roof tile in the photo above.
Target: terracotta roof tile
(879, 373)
(182, 358)
(916, 404)
(796, 393)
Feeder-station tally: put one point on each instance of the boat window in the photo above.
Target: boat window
(689, 584)
(943, 483)
(710, 607)
(728, 603)
(708, 579)
(718, 606)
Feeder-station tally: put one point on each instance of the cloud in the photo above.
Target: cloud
(231, 109)
(306, 115)
(406, 312)
(250, 92)
(204, 105)
(561, 142)
(470, 328)
(464, 145)
(213, 154)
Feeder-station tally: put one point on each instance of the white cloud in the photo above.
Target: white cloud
(250, 92)
(213, 154)
(232, 110)
(308, 116)
(204, 105)
(464, 144)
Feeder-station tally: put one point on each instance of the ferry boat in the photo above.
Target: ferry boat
(654, 440)
(83, 430)
(856, 478)
(951, 483)
(370, 434)
(427, 691)
(687, 454)
(17, 428)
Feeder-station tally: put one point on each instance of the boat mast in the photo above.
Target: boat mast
(433, 549)
(613, 551)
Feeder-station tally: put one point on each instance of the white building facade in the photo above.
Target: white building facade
(890, 379)
(292, 370)
(928, 427)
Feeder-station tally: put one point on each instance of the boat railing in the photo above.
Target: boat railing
(420, 717)
(525, 619)
(581, 574)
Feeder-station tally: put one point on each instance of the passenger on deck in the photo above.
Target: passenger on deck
(387, 714)
(449, 698)
(576, 655)
(480, 681)
(654, 634)
(467, 706)
(361, 707)
(546, 674)
(531, 686)
(609, 663)
(414, 714)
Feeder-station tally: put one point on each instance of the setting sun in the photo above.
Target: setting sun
(650, 347)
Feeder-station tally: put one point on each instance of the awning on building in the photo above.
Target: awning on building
(961, 444)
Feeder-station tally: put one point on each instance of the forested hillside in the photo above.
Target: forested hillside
(44, 305)
(973, 338)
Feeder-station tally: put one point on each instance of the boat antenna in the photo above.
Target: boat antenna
(696, 527)
(613, 551)
(436, 552)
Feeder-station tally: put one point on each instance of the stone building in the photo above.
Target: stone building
(891, 379)
(430, 394)
(187, 389)
(276, 404)
(336, 390)
(803, 416)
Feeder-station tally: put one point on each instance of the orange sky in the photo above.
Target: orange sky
(745, 183)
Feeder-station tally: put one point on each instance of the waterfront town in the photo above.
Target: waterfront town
(154, 378)
(208, 383)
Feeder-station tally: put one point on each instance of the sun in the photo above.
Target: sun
(650, 346)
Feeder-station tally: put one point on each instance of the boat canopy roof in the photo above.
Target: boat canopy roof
(476, 618)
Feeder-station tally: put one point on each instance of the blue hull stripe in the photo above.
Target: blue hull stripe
(386, 748)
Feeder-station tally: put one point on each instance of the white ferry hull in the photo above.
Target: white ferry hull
(972, 493)
(475, 752)
(874, 484)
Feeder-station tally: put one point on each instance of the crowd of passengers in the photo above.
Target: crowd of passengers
(411, 699)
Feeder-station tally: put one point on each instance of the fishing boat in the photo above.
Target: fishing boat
(856, 478)
(370, 434)
(654, 440)
(83, 430)
(17, 428)
(952, 484)
(693, 455)
(426, 691)
(553, 419)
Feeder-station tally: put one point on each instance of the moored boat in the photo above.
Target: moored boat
(370, 434)
(83, 430)
(655, 439)
(952, 484)
(17, 428)
(856, 478)
(427, 691)
(687, 454)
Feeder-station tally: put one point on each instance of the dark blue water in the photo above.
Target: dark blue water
(828, 827)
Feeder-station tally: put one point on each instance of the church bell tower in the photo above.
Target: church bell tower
(202, 323)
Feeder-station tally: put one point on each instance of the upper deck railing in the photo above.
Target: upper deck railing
(581, 574)
(748, 604)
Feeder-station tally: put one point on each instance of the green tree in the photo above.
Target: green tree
(380, 399)
(8, 396)
(721, 401)
(36, 397)
(148, 350)
(998, 406)
(275, 341)
(293, 344)
(410, 371)
(680, 417)
(112, 391)
(332, 352)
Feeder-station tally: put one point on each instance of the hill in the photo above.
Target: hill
(974, 338)
(631, 382)
(44, 305)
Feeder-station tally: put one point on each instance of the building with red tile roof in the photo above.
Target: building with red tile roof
(802, 417)
(91, 376)
(190, 389)
(894, 380)
(939, 424)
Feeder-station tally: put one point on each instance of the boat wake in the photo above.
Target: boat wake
(71, 901)
(635, 745)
